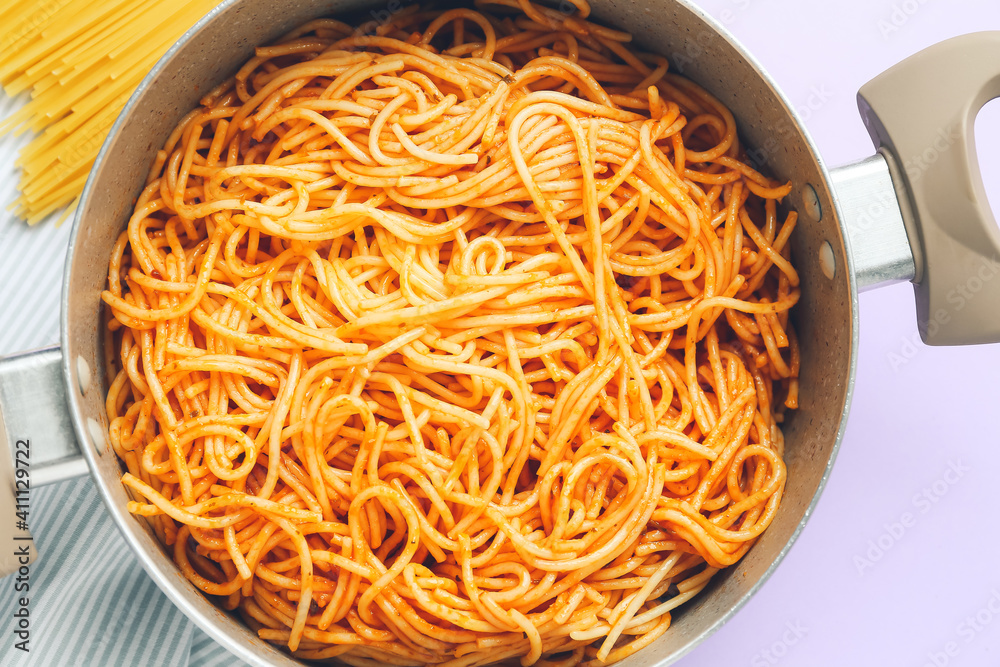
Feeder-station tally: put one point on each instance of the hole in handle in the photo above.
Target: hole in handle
(987, 136)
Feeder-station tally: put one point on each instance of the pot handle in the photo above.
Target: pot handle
(37, 447)
(920, 115)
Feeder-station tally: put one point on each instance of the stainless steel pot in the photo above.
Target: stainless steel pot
(917, 210)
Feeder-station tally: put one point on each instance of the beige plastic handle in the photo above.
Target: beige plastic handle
(921, 114)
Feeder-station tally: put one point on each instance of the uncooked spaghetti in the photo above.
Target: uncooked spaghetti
(80, 60)
(461, 341)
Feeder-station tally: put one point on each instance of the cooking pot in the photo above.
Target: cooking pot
(916, 210)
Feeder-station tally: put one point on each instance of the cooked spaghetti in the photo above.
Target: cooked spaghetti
(461, 341)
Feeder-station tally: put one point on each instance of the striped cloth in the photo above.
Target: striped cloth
(91, 604)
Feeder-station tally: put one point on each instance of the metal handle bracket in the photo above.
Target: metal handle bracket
(873, 220)
(37, 447)
(33, 408)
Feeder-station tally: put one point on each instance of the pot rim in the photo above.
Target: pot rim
(171, 585)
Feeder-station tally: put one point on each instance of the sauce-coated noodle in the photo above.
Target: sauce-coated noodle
(461, 341)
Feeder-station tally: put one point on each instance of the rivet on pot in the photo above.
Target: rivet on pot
(82, 374)
(97, 433)
(810, 201)
(827, 261)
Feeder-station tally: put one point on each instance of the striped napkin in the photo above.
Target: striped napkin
(90, 602)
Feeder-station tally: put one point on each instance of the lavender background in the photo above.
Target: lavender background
(859, 587)
(900, 564)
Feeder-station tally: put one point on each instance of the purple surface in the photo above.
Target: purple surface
(900, 564)
(918, 414)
